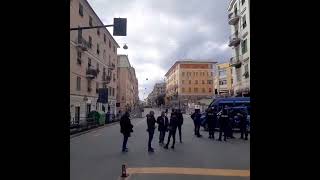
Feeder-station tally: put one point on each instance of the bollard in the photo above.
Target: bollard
(124, 171)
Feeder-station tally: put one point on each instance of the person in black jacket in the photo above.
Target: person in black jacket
(163, 123)
(180, 122)
(197, 121)
(172, 129)
(223, 122)
(151, 121)
(212, 121)
(125, 129)
(243, 125)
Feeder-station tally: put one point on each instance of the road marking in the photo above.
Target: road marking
(189, 171)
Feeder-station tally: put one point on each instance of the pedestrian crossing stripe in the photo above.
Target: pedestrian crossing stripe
(189, 171)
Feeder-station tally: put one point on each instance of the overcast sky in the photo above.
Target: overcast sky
(160, 32)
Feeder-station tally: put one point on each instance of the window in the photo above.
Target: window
(112, 91)
(98, 50)
(98, 67)
(195, 89)
(189, 81)
(109, 91)
(244, 46)
(244, 22)
(189, 89)
(182, 73)
(78, 83)
(211, 73)
(210, 90)
(182, 89)
(89, 62)
(246, 71)
(90, 21)
(114, 49)
(242, 2)
(222, 82)
(98, 31)
(89, 85)
(80, 10)
(203, 82)
(104, 69)
(104, 38)
(231, 81)
(90, 42)
(203, 90)
(109, 44)
(182, 81)
(196, 73)
(222, 73)
(196, 82)
(209, 81)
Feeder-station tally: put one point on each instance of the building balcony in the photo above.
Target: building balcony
(106, 79)
(236, 61)
(112, 66)
(83, 45)
(233, 18)
(91, 72)
(234, 39)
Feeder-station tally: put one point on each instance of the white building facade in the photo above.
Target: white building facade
(239, 20)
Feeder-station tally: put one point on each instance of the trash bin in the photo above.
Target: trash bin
(102, 119)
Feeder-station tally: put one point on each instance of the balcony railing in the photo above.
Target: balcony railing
(91, 72)
(233, 18)
(82, 44)
(234, 39)
(112, 66)
(236, 61)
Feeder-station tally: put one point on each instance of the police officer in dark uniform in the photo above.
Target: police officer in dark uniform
(211, 120)
(180, 122)
(243, 125)
(223, 122)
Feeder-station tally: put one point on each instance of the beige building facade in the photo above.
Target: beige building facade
(93, 61)
(224, 80)
(158, 89)
(127, 88)
(189, 81)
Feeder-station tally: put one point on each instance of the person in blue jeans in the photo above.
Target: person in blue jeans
(151, 121)
(125, 129)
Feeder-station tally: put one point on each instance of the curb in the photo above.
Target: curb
(94, 129)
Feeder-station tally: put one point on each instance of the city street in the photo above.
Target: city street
(97, 155)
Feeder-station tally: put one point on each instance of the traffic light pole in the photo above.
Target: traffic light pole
(90, 27)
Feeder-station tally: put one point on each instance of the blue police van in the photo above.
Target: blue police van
(234, 103)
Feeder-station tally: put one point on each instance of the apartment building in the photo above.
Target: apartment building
(224, 80)
(158, 89)
(239, 20)
(93, 61)
(189, 81)
(127, 88)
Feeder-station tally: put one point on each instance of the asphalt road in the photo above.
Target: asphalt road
(97, 155)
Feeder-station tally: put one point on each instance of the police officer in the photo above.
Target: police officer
(151, 121)
(211, 120)
(243, 125)
(196, 120)
(223, 122)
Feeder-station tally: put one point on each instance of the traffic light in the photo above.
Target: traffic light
(119, 26)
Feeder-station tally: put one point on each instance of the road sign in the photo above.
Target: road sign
(119, 26)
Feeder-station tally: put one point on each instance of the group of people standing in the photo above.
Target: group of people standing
(224, 120)
(164, 125)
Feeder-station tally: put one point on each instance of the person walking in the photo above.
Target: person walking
(151, 121)
(172, 129)
(223, 122)
(197, 121)
(126, 128)
(180, 122)
(163, 123)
